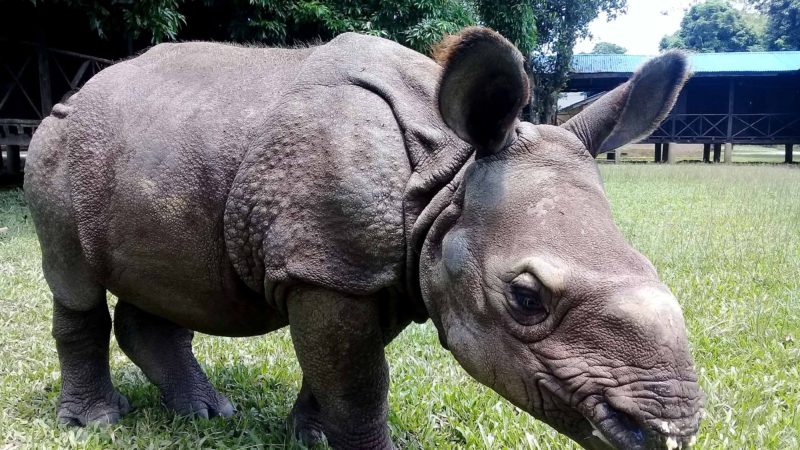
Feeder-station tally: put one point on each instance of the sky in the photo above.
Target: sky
(640, 29)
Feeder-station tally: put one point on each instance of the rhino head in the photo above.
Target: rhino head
(525, 275)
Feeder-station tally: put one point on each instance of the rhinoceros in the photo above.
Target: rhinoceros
(346, 190)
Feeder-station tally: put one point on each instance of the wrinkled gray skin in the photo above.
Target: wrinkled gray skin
(346, 190)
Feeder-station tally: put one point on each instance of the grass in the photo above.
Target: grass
(742, 153)
(725, 239)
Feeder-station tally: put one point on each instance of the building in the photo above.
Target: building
(732, 98)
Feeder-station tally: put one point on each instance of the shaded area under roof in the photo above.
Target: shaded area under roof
(707, 64)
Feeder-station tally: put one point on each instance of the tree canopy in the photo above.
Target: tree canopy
(608, 48)
(782, 31)
(545, 31)
(715, 26)
(560, 23)
(415, 23)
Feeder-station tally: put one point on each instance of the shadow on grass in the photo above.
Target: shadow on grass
(262, 404)
(11, 181)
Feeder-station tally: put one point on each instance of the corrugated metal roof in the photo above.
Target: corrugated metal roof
(701, 63)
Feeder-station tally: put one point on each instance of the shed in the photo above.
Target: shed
(732, 98)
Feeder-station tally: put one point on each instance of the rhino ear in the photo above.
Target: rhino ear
(483, 87)
(634, 109)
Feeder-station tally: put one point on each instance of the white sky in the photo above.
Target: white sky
(640, 29)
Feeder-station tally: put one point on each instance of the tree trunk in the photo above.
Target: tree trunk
(528, 109)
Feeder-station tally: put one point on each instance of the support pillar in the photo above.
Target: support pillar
(44, 76)
(789, 149)
(706, 153)
(14, 162)
(658, 153)
(729, 153)
(668, 156)
(717, 151)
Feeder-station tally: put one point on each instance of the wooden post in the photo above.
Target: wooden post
(14, 164)
(731, 96)
(665, 154)
(658, 152)
(44, 76)
(729, 153)
(789, 149)
(706, 153)
(717, 151)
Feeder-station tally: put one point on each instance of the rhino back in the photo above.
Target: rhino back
(153, 146)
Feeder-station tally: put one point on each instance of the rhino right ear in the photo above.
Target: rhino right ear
(634, 109)
(483, 87)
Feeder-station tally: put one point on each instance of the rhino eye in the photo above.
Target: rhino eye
(527, 300)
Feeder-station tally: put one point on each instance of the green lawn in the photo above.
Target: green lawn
(742, 153)
(725, 239)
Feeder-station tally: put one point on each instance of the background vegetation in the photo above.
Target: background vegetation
(738, 26)
(724, 239)
(545, 31)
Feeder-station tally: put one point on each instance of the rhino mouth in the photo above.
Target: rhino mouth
(619, 430)
(597, 425)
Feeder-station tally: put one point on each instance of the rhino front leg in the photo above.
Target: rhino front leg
(339, 344)
(87, 395)
(163, 351)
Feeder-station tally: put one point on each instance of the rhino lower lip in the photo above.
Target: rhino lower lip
(618, 430)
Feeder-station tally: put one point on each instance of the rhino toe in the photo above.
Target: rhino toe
(105, 411)
(205, 406)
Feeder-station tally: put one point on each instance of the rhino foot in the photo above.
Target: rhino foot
(76, 411)
(202, 401)
(306, 428)
(304, 421)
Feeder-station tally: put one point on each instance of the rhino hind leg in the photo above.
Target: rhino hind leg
(87, 395)
(81, 322)
(163, 350)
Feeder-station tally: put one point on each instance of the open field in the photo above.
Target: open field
(694, 153)
(725, 239)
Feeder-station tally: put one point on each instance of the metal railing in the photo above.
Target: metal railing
(32, 79)
(735, 128)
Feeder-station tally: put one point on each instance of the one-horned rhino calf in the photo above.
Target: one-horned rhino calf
(346, 190)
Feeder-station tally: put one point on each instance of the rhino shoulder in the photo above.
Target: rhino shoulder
(319, 199)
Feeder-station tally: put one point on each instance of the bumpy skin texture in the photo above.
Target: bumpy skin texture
(346, 190)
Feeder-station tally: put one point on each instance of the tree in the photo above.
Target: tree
(782, 31)
(608, 48)
(560, 23)
(160, 20)
(714, 26)
(415, 23)
(545, 31)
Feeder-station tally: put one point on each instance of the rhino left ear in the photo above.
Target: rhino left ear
(483, 87)
(634, 109)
